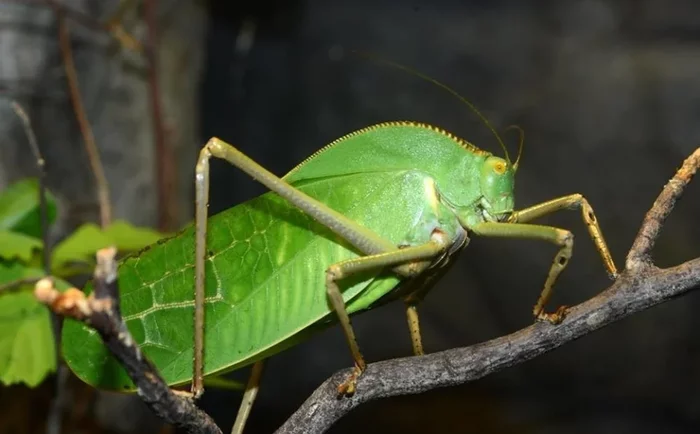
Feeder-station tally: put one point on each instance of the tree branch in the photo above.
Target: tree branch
(640, 286)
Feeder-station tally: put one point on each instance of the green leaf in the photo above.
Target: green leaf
(82, 244)
(129, 238)
(19, 207)
(16, 245)
(27, 352)
(27, 349)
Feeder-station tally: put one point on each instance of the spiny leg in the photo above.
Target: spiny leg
(570, 202)
(363, 239)
(410, 261)
(419, 288)
(251, 392)
(560, 237)
(414, 328)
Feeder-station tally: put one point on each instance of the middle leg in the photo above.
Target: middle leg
(407, 262)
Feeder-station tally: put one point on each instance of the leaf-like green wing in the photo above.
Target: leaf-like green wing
(265, 280)
(19, 208)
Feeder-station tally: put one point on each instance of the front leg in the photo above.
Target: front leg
(570, 202)
(560, 237)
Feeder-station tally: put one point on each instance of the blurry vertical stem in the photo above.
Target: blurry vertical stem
(41, 166)
(88, 137)
(112, 26)
(55, 416)
(164, 160)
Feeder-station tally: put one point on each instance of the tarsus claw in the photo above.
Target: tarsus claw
(553, 318)
(347, 388)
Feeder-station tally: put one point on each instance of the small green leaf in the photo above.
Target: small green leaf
(16, 245)
(11, 271)
(27, 349)
(27, 353)
(82, 244)
(19, 207)
(129, 238)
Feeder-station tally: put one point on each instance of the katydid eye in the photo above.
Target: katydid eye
(499, 168)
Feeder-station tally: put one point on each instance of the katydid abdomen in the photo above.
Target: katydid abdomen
(266, 264)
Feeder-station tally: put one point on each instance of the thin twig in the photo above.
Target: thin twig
(85, 129)
(17, 284)
(41, 167)
(101, 311)
(636, 289)
(164, 161)
(55, 418)
(640, 253)
(113, 23)
(111, 26)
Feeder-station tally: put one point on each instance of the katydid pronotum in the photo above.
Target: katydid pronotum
(375, 216)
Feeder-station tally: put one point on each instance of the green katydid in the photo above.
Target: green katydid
(375, 216)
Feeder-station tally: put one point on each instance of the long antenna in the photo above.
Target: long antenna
(520, 145)
(443, 86)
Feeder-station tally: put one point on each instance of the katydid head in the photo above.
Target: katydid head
(497, 182)
(497, 187)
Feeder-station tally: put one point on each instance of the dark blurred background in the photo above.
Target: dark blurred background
(608, 93)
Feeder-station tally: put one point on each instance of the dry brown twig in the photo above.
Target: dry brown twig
(165, 159)
(83, 122)
(640, 286)
(112, 25)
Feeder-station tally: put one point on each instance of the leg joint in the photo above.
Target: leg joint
(215, 147)
(565, 238)
(333, 273)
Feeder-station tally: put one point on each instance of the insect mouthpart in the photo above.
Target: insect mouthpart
(504, 216)
(500, 217)
(487, 215)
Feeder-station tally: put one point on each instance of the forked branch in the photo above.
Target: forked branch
(639, 286)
